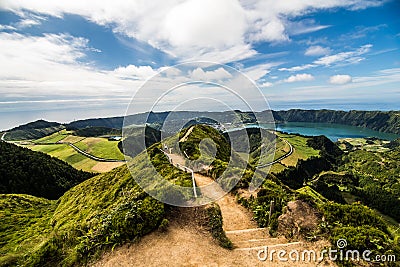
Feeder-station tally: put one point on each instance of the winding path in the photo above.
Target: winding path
(90, 155)
(281, 157)
(238, 222)
(2, 137)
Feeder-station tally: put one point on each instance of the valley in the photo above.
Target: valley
(314, 193)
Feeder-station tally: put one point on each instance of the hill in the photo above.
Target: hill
(94, 131)
(99, 213)
(111, 209)
(33, 130)
(24, 171)
(383, 121)
(133, 143)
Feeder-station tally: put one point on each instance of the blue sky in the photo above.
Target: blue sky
(66, 60)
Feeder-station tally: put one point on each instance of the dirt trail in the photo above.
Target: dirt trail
(177, 159)
(187, 243)
(185, 137)
(235, 216)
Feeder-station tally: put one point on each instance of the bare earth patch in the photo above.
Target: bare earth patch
(106, 166)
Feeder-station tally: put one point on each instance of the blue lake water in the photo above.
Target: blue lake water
(332, 131)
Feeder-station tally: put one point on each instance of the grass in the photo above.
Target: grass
(363, 143)
(277, 168)
(53, 138)
(301, 149)
(100, 147)
(314, 195)
(73, 139)
(67, 154)
(24, 225)
(102, 212)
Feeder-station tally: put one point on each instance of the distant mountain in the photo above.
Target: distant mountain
(24, 171)
(33, 130)
(383, 121)
(94, 131)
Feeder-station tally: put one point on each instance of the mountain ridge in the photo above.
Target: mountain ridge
(382, 121)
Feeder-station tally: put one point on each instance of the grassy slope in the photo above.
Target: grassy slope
(301, 149)
(24, 225)
(67, 154)
(99, 213)
(52, 138)
(101, 147)
(89, 217)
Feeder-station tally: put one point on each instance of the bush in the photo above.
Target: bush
(215, 226)
(163, 227)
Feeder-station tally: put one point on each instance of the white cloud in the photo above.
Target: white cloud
(340, 79)
(205, 23)
(304, 26)
(215, 75)
(272, 30)
(134, 72)
(298, 68)
(7, 27)
(317, 51)
(304, 77)
(344, 57)
(195, 29)
(27, 23)
(257, 72)
(266, 84)
(41, 66)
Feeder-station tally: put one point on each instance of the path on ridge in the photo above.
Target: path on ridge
(185, 244)
(235, 216)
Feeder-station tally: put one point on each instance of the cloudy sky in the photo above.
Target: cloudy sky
(65, 60)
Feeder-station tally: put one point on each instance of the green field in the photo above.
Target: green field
(363, 143)
(67, 154)
(53, 138)
(301, 149)
(100, 147)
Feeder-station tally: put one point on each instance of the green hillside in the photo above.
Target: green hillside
(25, 171)
(24, 226)
(110, 209)
(99, 213)
(100, 147)
(33, 130)
(68, 154)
